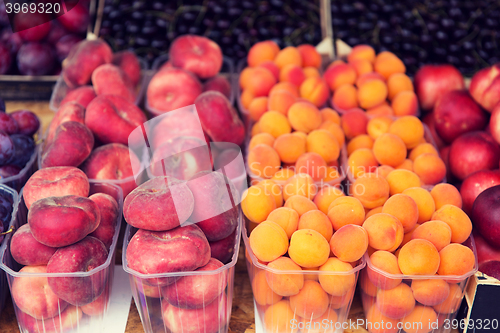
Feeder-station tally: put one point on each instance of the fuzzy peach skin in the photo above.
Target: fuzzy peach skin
(485, 87)
(71, 145)
(83, 256)
(33, 295)
(82, 95)
(67, 320)
(98, 306)
(173, 125)
(109, 210)
(181, 249)
(219, 119)
(215, 204)
(218, 83)
(196, 54)
(210, 319)
(223, 249)
(83, 58)
(160, 204)
(109, 79)
(26, 250)
(128, 62)
(56, 181)
(197, 291)
(70, 111)
(113, 161)
(172, 88)
(62, 221)
(109, 109)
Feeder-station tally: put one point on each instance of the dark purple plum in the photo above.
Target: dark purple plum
(8, 124)
(13, 41)
(5, 209)
(9, 170)
(56, 32)
(27, 122)
(35, 59)
(24, 147)
(32, 27)
(75, 20)
(6, 148)
(64, 45)
(5, 58)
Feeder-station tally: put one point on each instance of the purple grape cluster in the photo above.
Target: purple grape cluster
(148, 27)
(463, 33)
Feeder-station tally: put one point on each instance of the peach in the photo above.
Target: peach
(402, 179)
(385, 232)
(452, 302)
(404, 208)
(396, 303)
(361, 141)
(444, 194)
(386, 64)
(371, 94)
(289, 147)
(109, 79)
(456, 259)
(304, 116)
(484, 87)
(325, 196)
(287, 86)
(401, 127)
(339, 75)
(70, 111)
(459, 222)
(128, 62)
(261, 52)
(55, 181)
(354, 123)
(300, 184)
(315, 90)
(361, 161)
(422, 320)
(318, 221)
(310, 57)
(384, 170)
(99, 305)
(361, 52)
(312, 164)
(308, 248)
(278, 318)
(389, 149)
(388, 263)
(82, 95)
(349, 243)
(281, 101)
(345, 97)
(418, 257)
(333, 283)
(405, 103)
(68, 319)
(257, 204)
(263, 161)
(223, 249)
(109, 211)
(430, 292)
(196, 54)
(311, 302)
(346, 210)
(293, 74)
(262, 293)
(300, 204)
(26, 250)
(268, 241)
(281, 283)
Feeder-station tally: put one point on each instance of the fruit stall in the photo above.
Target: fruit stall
(281, 166)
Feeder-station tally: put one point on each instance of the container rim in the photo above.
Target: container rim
(360, 265)
(112, 249)
(227, 266)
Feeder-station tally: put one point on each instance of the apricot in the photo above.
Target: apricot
(300, 204)
(398, 82)
(257, 204)
(362, 67)
(270, 187)
(361, 161)
(389, 149)
(311, 164)
(336, 284)
(318, 221)
(261, 52)
(456, 259)
(260, 81)
(329, 114)
(406, 165)
(422, 148)
(418, 257)
(378, 126)
(308, 248)
(271, 66)
(372, 93)
(255, 129)
(405, 103)
(304, 116)
(459, 222)
(257, 107)
(338, 75)
(285, 217)
(268, 241)
(287, 86)
(409, 129)
(376, 322)
(385, 232)
(325, 196)
(282, 175)
(384, 170)
(278, 317)
(323, 143)
(280, 101)
(288, 56)
(318, 325)
(421, 320)
(436, 232)
(430, 292)
(300, 184)
(261, 138)
(311, 276)
(452, 302)
(262, 294)
(263, 161)
(387, 63)
(430, 168)
(402, 179)
(388, 263)
(361, 141)
(341, 302)
(289, 147)
(345, 97)
(332, 175)
(349, 243)
(446, 194)
(311, 72)
(346, 210)
(281, 283)
(293, 74)
(354, 123)
(315, 90)
(246, 98)
(361, 52)
(311, 302)
(424, 201)
(367, 77)
(371, 190)
(397, 302)
(404, 208)
(373, 211)
(274, 123)
(366, 285)
(244, 78)
(334, 129)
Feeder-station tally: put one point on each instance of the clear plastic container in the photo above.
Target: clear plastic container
(285, 314)
(439, 298)
(7, 191)
(157, 315)
(227, 71)
(88, 318)
(61, 89)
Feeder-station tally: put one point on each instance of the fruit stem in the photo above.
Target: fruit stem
(11, 230)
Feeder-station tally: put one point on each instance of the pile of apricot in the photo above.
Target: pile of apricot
(304, 140)
(395, 148)
(373, 82)
(275, 79)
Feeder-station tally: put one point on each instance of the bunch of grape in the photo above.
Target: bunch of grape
(148, 27)
(465, 34)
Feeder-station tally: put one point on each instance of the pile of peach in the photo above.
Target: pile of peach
(395, 148)
(302, 140)
(296, 229)
(375, 83)
(275, 79)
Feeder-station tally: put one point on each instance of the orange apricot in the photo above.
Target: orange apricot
(311, 302)
(329, 114)
(430, 292)
(372, 93)
(263, 161)
(262, 51)
(271, 66)
(385, 232)
(289, 147)
(285, 217)
(459, 222)
(421, 320)
(257, 204)
(404, 208)
(268, 241)
(281, 283)
(456, 259)
(323, 143)
(354, 123)
(244, 78)
(318, 221)
(430, 168)
(335, 129)
(315, 90)
(346, 210)
(452, 302)
(376, 322)
(381, 110)
(386, 262)
(422, 148)
(361, 52)
(362, 67)
(361, 80)
(418, 257)
(349, 243)
(405, 103)
(246, 98)
(387, 63)
(300, 184)
(318, 325)
(308, 248)
(410, 129)
(255, 129)
(293, 74)
(378, 126)
(300, 204)
(257, 107)
(288, 55)
(361, 161)
(389, 149)
(402, 179)
(277, 318)
(336, 284)
(274, 123)
(384, 170)
(304, 116)
(444, 194)
(345, 97)
(406, 165)
(424, 201)
(361, 141)
(371, 190)
(260, 82)
(262, 294)
(311, 164)
(366, 285)
(270, 187)
(311, 72)
(310, 57)
(373, 211)
(398, 82)
(332, 174)
(280, 100)
(261, 138)
(282, 175)
(436, 232)
(339, 75)
(397, 302)
(325, 196)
